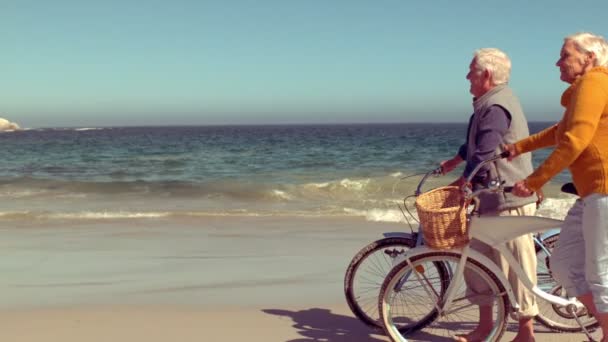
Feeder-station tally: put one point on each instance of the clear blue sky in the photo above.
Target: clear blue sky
(112, 63)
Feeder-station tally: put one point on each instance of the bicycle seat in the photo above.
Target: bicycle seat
(569, 188)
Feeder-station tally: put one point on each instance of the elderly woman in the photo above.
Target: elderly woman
(580, 261)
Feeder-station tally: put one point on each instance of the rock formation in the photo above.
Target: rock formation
(7, 126)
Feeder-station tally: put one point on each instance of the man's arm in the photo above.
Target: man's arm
(448, 165)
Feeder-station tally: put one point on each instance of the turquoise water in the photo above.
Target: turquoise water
(100, 173)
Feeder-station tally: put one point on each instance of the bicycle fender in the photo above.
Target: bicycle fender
(399, 234)
(549, 233)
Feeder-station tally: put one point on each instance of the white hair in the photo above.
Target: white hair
(587, 42)
(495, 61)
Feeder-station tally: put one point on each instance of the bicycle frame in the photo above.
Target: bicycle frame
(496, 231)
(538, 240)
(544, 227)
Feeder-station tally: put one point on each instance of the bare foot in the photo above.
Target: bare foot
(522, 338)
(525, 332)
(474, 336)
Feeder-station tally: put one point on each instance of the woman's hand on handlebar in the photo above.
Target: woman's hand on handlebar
(520, 189)
(513, 153)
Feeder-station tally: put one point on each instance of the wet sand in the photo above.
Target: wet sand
(213, 279)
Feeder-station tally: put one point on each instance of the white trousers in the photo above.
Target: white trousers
(580, 260)
(523, 250)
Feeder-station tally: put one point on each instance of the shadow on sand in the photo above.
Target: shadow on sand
(320, 325)
(316, 325)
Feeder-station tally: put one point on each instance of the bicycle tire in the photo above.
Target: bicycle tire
(550, 315)
(366, 309)
(461, 307)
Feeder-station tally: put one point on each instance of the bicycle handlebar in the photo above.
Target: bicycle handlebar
(434, 172)
(439, 171)
(503, 155)
(494, 186)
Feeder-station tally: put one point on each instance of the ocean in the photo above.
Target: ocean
(298, 170)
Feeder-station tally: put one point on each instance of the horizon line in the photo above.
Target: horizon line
(264, 124)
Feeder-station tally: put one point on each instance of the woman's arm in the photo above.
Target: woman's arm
(580, 123)
(542, 139)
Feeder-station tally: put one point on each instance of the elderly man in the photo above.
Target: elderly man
(498, 119)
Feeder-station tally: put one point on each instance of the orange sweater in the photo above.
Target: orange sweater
(580, 138)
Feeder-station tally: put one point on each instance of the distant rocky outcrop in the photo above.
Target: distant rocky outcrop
(7, 126)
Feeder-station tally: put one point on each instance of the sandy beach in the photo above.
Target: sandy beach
(212, 279)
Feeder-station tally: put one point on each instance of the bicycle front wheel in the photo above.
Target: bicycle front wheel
(409, 291)
(366, 272)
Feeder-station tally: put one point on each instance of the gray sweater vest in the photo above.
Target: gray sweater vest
(509, 172)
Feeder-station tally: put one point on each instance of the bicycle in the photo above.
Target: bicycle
(411, 286)
(377, 258)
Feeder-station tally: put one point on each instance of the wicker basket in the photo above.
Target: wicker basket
(442, 214)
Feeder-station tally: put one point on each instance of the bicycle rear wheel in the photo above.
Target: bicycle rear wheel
(403, 298)
(550, 315)
(366, 272)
